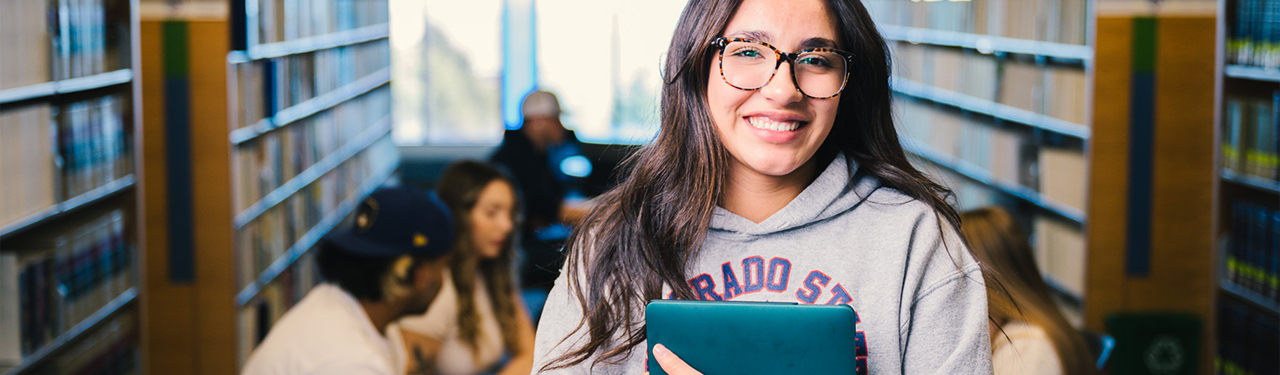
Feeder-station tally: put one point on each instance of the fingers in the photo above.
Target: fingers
(670, 363)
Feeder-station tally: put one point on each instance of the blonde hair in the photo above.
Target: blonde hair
(1015, 288)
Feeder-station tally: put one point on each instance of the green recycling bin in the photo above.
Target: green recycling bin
(1155, 343)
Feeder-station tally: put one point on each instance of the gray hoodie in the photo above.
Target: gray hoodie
(922, 306)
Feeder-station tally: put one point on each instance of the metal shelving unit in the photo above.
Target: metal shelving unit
(313, 173)
(1066, 53)
(1252, 73)
(1253, 298)
(312, 237)
(989, 108)
(74, 204)
(67, 86)
(985, 177)
(71, 335)
(312, 106)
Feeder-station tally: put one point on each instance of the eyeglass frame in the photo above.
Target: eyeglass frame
(722, 42)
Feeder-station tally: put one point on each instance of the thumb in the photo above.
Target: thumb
(670, 363)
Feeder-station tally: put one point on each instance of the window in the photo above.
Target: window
(448, 69)
(603, 60)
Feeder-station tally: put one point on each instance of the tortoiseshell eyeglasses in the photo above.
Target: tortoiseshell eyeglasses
(748, 64)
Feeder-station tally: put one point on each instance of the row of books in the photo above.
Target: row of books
(269, 161)
(1253, 250)
(1058, 91)
(283, 20)
(305, 76)
(275, 299)
(1008, 153)
(1254, 35)
(57, 278)
(1248, 340)
(94, 143)
(1058, 246)
(267, 238)
(1058, 21)
(1251, 143)
(111, 349)
(62, 151)
(264, 87)
(58, 39)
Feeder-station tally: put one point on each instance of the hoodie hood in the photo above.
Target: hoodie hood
(836, 190)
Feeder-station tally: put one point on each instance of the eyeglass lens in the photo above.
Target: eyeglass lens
(749, 66)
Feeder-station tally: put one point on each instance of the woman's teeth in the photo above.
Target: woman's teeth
(767, 124)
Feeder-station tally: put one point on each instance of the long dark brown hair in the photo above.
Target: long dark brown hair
(460, 188)
(997, 241)
(645, 231)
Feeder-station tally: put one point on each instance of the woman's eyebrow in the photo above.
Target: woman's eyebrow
(757, 35)
(817, 43)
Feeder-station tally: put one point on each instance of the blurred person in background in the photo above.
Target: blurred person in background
(1029, 334)
(525, 154)
(479, 317)
(390, 264)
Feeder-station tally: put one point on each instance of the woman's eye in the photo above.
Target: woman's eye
(746, 53)
(814, 61)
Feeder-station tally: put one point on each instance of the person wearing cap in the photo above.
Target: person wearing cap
(389, 264)
(524, 155)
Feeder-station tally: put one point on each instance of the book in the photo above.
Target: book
(1254, 37)
(1247, 340)
(1057, 21)
(1062, 173)
(280, 20)
(94, 143)
(27, 149)
(59, 277)
(1060, 252)
(24, 26)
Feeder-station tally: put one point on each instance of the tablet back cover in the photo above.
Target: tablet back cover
(723, 338)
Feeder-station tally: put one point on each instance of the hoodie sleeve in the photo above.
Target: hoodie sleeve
(947, 330)
(558, 334)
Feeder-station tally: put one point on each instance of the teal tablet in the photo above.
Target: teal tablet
(722, 338)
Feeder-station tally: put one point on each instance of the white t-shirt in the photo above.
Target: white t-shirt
(325, 333)
(441, 322)
(1027, 350)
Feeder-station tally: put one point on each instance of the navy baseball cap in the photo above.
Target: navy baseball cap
(397, 221)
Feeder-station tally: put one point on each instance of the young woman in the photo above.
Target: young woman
(1033, 337)
(776, 176)
(478, 317)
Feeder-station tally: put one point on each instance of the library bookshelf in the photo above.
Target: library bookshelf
(1088, 120)
(69, 233)
(1248, 189)
(283, 127)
